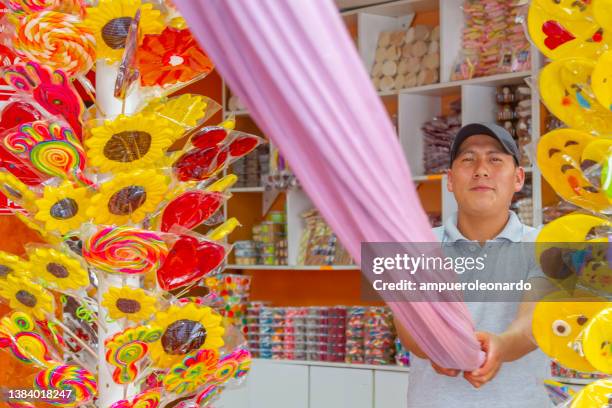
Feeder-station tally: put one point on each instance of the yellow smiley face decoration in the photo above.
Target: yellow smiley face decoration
(573, 249)
(562, 29)
(566, 91)
(558, 322)
(602, 11)
(594, 395)
(601, 80)
(559, 157)
(566, 9)
(597, 342)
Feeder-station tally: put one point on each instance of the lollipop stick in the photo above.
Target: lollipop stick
(76, 338)
(91, 93)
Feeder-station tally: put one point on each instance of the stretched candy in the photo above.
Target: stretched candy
(125, 250)
(79, 381)
(51, 89)
(52, 148)
(125, 349)
(58, 40)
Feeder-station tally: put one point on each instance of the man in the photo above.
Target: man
(483, 177)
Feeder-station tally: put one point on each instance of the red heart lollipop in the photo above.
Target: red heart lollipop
(557, 35)
(189, 261)
(209, 137)
(16, 113)
(243, 145)
(190, 209)
(196, 164)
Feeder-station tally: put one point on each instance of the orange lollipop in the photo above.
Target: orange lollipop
(58, 40)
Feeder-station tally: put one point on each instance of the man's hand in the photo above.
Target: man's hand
(493, 346)
(451, 372)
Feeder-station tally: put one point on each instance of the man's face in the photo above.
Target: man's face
(483, 176)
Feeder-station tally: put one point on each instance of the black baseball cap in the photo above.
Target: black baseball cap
(489, 129)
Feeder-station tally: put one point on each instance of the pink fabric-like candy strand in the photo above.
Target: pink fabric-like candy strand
(294, 66)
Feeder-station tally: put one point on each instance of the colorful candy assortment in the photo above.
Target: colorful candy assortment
(336, 334)
(319, 245)
(439, 134)
(493, 40)
(252, 168)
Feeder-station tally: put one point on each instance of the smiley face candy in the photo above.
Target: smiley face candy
(586, 237)
(601, 80)
(559, 157)
(566, 91)
(597, 342)
(567, 9)
(566, 28)
(558, 321)
(594, 395)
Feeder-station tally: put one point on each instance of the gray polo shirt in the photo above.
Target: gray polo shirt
(518, 384)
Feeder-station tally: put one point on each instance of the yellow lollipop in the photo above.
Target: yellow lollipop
(558, 322)
(566, 91)
(597, 342)
(578, 236)
(602, 10)
(559, 154)
(559, 34)
(567, 9)
(601, 80)
(594, 395)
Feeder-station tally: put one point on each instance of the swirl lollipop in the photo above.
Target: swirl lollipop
(52, 148)
(58, 40)
(125, 349)
(125, 250)
(146, 399)
(192, 372)
(80, 384)
(34, 6)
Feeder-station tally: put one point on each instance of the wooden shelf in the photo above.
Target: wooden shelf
(295, 267)
(454, 87)
(386, 8)
(237, 113)
(389, 367)
(247, 190)
(428, 177)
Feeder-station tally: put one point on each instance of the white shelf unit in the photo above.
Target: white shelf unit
(415, 105)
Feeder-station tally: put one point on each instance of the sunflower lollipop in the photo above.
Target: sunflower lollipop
(110, 22)
(27, 296)
(185, 329)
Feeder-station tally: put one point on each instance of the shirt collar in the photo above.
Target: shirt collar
(513, 231)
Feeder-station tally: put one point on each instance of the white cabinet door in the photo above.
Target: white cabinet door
(274, 385)
(391, 389)
(332, 387)
(234, 398)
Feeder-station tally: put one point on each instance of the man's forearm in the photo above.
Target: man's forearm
(517, 340)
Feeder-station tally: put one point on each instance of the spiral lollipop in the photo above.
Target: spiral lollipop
(34, 6)
(52, 148)
(78, 384)
(125, 250)
(58, 40)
